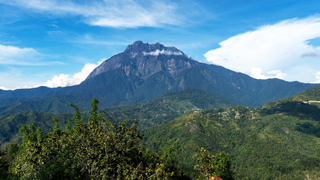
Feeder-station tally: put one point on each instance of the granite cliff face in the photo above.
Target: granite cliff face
(144, 60)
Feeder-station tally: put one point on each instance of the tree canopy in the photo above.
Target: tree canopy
(97, 150)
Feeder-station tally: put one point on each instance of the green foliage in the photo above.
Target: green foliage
(167, 107)
(161, 109)
(277, 141)
(7, 154)
(97, 150)
(309, 94)
(10, 124)
(273, 142)
(3, 167)
(205, 165)
(169, 157)
(210, 166)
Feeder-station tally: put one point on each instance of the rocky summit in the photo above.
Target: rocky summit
(143, 60)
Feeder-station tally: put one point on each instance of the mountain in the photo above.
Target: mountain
(279, 140)
(310, 96)
(144, 71)
(150, 113)
(144, 60)
(25, 92)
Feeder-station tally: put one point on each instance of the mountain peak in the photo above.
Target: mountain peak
(138, 47)
(148, 59)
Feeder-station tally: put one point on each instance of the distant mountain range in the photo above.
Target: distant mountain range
(144, 71)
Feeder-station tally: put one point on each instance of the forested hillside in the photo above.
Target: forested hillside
(277, 141)
(161, 109)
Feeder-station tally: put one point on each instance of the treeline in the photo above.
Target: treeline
(100, 149)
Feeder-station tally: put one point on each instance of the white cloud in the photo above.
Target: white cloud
(63, 80)
(157, 52)
(317, 77)
(18, 56)
(11, 55)
(20, 87)
(278, 74)
(18, 84)
(257, 73)
(282, 46)
(108, 13)
(3, 88)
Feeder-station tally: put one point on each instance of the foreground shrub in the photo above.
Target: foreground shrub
(97, 150)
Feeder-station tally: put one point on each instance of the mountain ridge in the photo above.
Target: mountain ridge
(144, 71)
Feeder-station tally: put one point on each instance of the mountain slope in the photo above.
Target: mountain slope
(311, 94)
(144, 71)
(278, 141)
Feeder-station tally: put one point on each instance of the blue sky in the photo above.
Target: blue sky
(59, 42)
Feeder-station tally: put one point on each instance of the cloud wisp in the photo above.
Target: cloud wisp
(18, 56)
(273, 49)
(257, 73)
(107, 13)
(157, 52)
(63, 80)
(11, 55)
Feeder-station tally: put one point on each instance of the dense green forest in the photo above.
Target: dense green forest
(99, 150)
(150, 113)
(279, 140)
